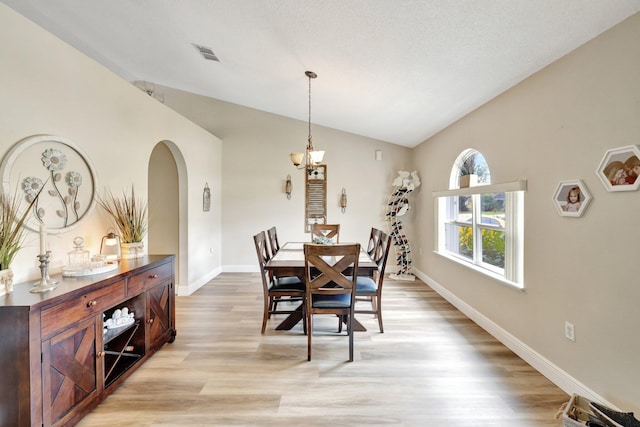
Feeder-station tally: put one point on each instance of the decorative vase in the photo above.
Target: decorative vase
(6, 281)
(469, 180)
(132, 250)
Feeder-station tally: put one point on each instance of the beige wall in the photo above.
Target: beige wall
(50, 88)
(556, 126)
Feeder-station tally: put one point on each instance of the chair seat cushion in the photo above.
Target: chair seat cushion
(284, 284)
(331, 301)
(366, 284)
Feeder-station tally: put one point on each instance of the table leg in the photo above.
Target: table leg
(357, 326)
(291, 320)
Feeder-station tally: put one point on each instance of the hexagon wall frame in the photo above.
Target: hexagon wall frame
(619, 169)
(567, 207)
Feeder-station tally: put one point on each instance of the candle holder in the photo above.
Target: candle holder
(44, 284)
(49, 279)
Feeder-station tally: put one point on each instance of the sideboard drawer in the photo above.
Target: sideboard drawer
(62, 315)
(149, 279)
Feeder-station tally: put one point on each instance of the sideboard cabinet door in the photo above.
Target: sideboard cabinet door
(69, 371)
(159, 302)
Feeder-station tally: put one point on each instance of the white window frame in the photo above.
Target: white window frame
(513, 272)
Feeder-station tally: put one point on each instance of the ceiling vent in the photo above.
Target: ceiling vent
(206, 52)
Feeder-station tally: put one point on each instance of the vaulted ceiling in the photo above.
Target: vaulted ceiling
(397, 71)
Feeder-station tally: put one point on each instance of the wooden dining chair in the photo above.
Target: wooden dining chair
(328, 231)
(275, 288)
(330, 272)
(369, 289)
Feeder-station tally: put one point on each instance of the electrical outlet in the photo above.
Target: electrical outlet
(569, 331)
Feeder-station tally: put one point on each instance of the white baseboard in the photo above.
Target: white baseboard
(241, 268)
(552, 372)
(183, 290)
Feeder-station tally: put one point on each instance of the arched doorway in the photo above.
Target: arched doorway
(166, 232)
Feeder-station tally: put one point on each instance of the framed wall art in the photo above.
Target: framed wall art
(60, 171)
(572, 198)
(619, 169)
(316, 197)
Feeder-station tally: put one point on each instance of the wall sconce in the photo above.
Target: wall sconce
(287, 187)
(110, 246)
(343, 200)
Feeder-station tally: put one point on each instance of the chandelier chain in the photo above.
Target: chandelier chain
(309, 143)
(312, 157)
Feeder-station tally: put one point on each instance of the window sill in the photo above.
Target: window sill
(488, 273)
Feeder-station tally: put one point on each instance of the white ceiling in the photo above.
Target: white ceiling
(398, 71)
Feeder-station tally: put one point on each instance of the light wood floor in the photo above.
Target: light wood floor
(431, 367)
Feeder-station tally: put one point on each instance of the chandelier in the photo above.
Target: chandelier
(313, 157)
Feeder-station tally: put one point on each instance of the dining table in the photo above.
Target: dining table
(289, 261)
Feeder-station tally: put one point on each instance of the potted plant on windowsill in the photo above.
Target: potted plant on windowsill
(129, 214)
(11, 235)
(468, 176)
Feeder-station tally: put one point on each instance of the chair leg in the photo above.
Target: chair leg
(378, 310)
(271, 308)
(265, 315)
(309, 333)
(304, 317)
(351, 334)
(380, 320)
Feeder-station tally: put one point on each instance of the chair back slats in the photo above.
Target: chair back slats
(273, 240)
(264, 256)
(374, 241)
(381, 255)
(328, 231)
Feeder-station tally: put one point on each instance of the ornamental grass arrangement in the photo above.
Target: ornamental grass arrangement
(129, 214)
(12, 227)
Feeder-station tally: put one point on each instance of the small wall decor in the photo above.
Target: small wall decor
(60, 169)
(572, 198)
(288, 186)
(206, 198)
(619, 169)
(343, 201)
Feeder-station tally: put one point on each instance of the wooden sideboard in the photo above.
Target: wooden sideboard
(57, 361)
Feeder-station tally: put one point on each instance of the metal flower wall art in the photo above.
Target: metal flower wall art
(65, 191)
(54, 168)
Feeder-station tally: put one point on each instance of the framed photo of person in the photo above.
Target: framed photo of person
(619, 169)
(572, 198)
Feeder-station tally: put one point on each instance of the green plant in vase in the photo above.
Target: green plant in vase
(129, 213)
(12, 220)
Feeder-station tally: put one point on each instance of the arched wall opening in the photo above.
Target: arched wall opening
(168, 206)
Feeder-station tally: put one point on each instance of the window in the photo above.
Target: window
(482, 226)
